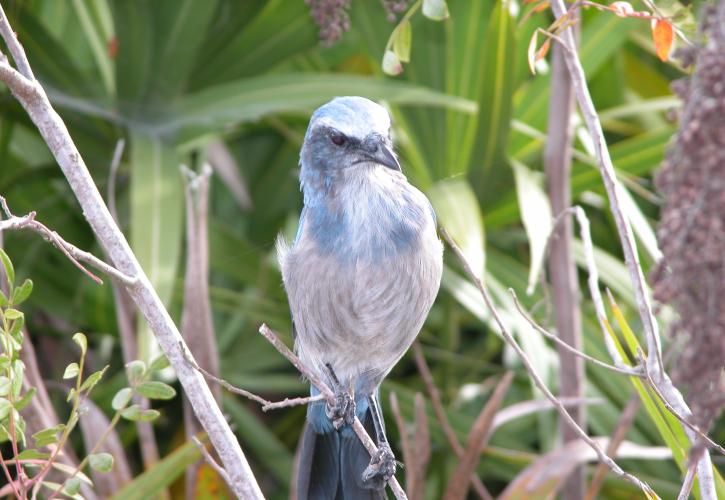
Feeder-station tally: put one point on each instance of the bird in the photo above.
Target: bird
(361, 276)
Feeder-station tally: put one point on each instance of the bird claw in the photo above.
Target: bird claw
(381, 469)
(342, 410)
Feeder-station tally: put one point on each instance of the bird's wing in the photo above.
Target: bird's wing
(300, 225)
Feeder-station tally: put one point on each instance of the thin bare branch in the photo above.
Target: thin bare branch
(477, 439)
(440, 413)
(16, 50)
(33, 98)
(421, 444)
(603, 457)
(73, 253)
(409, 456)
(210, 460)
(357, 426)
(654, 364)
(632, 372)
(686, 422)
(624, 423)
(688, 482)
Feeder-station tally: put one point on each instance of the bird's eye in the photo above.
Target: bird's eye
(338, 139)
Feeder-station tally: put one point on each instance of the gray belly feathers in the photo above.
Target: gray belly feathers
(359, 308)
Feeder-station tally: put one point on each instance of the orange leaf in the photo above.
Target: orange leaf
(663, 36)
(541, 6)
(541, 53)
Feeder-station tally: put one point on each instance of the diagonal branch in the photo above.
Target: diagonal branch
(654, 365)
(603, 457)
(321, 386)
(33, 98)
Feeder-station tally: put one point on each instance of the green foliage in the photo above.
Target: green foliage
(470, 123)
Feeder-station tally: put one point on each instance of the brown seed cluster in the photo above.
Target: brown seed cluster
(332, 17)
(691, 232)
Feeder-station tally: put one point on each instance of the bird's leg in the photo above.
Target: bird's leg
(382, 464)
(342, 410)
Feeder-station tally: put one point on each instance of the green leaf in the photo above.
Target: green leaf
(160, 475)
(495, 103)
(137, 414)
(71, 371)
(97, 41)
(4, 386)
(47, 436)
(403, 40)
(156, 390)
(32, 454)
(156, 222)
(436, 10)
(13, 314)
(252, 98)
(121, 399)
(8, 266)
(82, 342)
(3, 299)
(536, 215)
(18, 372)
(72, 486)
(16, 331)
(102, 462)
(22, 292)
(93, 379)
(159, 363)
(5, 407)
(391, 63)
(27, 397)
(135, 371)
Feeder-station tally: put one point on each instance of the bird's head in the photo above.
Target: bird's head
(345, 132)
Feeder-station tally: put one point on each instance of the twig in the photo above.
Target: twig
(626, 420)
(33, 98)
(694, 428)
(688, 482)
(74, 254)
(357, 426)
(562, 269)
(632, 372)
(11, 39)
(440, 413)
(409, 457)
(266, 404)
(210, 460)
(477, 439)
(421, 443)
(603, 457)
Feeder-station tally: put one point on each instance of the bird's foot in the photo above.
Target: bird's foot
(342, 410)
(381, 469)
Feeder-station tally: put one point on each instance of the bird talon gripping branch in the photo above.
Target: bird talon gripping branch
(382, 467)
(342, 411)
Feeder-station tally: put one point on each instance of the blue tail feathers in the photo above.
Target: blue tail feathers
(331, 462)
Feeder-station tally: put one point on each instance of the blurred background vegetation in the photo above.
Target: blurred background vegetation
(233, 84)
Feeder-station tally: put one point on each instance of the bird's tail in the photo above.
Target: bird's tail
(331, 465)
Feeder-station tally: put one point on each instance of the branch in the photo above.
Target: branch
(73, 253)
(357, 426)
(654, 364)
(632, 372)
(33, 98)
(440, 413)
(603, 457)
(266, 405)
(210, 460)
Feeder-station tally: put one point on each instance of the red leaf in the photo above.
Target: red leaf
(662, 34)
(112, 47)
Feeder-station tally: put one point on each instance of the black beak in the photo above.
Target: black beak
(384, 156)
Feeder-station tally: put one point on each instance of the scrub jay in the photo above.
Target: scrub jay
(361, 276)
